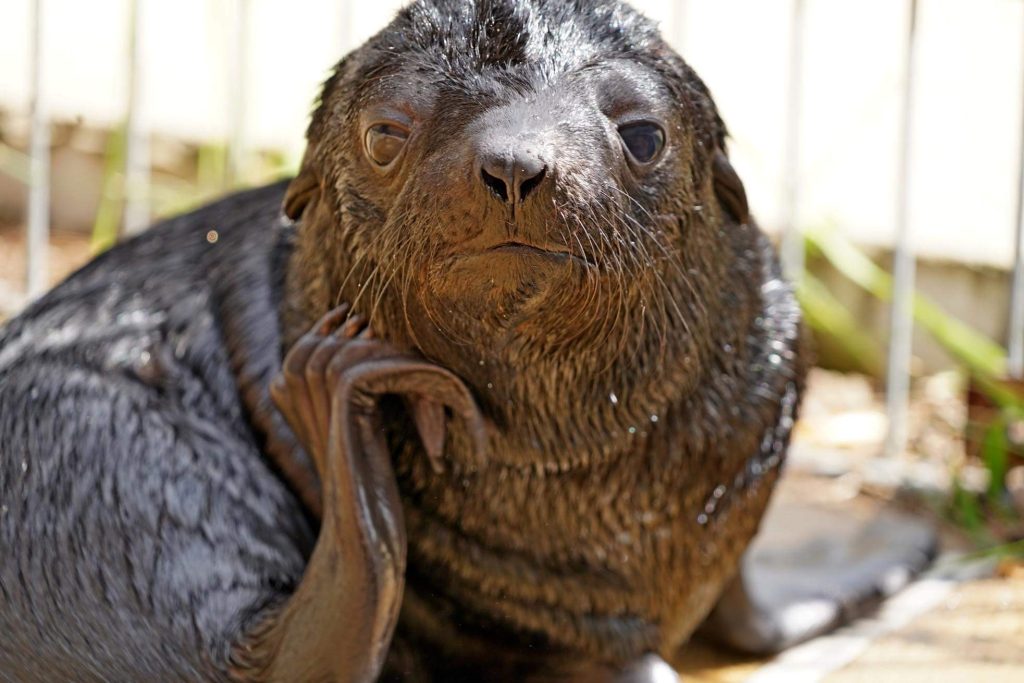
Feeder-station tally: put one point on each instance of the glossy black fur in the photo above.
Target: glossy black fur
(141, 527)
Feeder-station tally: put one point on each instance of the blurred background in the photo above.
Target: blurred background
(880, 142)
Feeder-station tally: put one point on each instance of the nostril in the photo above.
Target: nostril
(512, 175)
(497, 185)
(529, 184)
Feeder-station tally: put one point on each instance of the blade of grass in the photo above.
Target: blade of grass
(211, 167)
(108, 214)
(979, 353)
(967, 509)
(14, 163)
(825, 313)
(995, 454)
(1014, 549)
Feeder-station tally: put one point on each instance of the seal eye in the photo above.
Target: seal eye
(384, 142)
(644, 140)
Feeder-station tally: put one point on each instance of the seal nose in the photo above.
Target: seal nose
(512, 176)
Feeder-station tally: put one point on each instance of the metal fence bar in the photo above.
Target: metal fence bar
(901, 334)
(1015, 341)
(346, 31)
(792, 237)
(136, 160)
(680, 12)
(237, 72)
(37, 239)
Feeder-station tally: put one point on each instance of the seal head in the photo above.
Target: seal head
(507, 186)
(536, 195)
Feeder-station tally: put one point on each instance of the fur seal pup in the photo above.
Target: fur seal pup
(534, 366)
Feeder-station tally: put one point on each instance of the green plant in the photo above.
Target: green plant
(108, 214)
(984, 360)
(14, 163)
(173, 195)
(998, 551)
(980, 354)
(825, 313)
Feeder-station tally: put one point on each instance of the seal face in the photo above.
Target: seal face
(535, 194)
(503, 184)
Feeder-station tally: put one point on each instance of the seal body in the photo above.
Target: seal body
(619, 316)
(142, 527)
(533, 195)
(623, 549)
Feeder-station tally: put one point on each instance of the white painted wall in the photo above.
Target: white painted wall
(967, 121)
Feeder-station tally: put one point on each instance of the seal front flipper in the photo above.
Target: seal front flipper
(339, 622)
(814, 568)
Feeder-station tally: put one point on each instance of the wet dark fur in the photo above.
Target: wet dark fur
(141, 526)
(641, 404)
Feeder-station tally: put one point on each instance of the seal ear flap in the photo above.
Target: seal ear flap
(303, 189)
(729, 188)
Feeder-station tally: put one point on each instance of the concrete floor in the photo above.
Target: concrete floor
(975, 634)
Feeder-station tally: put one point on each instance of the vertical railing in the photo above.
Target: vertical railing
(237, 89)
(1015, 342)
(792, 236)
(136, 159)
(137, 164)
(901, 333)
(37, 241)
(680, 15)
(346, 29)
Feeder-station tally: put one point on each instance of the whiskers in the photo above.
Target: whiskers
(627, 292)
(635, 286)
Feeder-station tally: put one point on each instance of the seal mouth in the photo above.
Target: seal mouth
(555, 253)
(529, 249)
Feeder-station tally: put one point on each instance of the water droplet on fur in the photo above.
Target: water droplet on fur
(702, 519)
(632, 430)
(33, 393)
(775, 359)
(490, 386)
(24, 466)
(212, 237)
(654, 418)
(614, 399)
